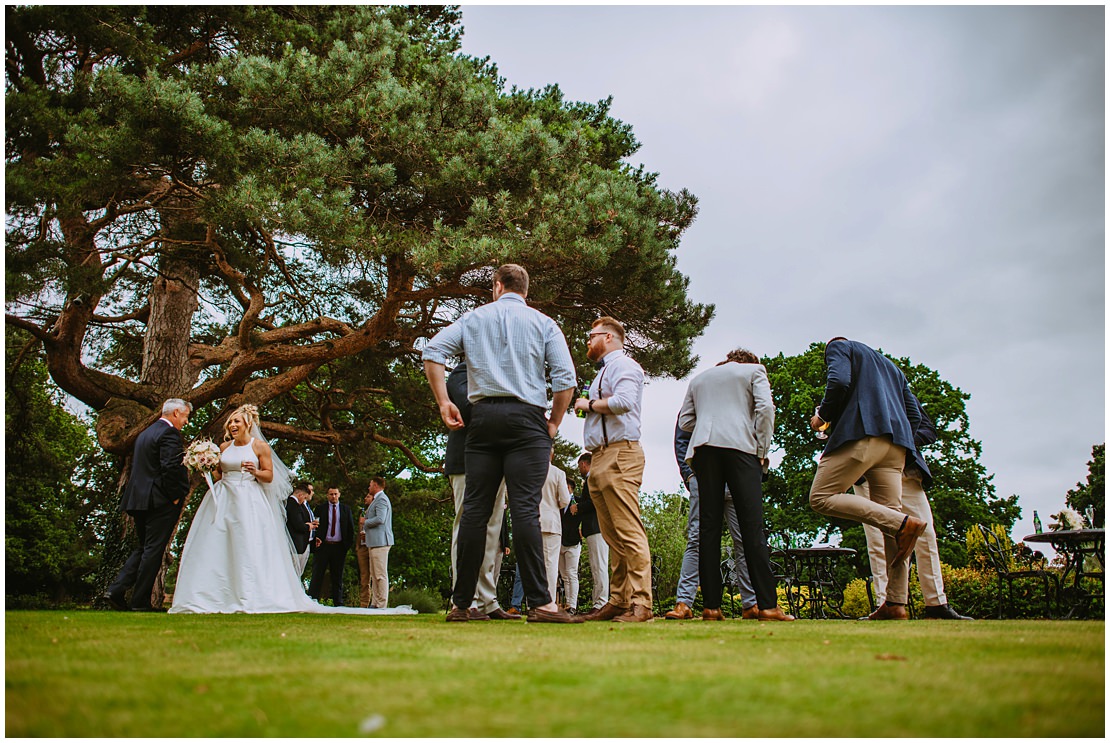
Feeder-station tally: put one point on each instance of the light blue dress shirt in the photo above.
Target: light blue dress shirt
(621, 382)
(508, 348)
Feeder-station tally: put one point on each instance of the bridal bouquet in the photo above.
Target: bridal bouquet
(203, 456)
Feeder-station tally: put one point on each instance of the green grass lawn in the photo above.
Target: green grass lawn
(88, 673)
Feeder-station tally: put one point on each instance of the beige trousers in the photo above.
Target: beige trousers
(379, 575)
(551, 545)
(914, 503)
(363, 555)
(485, 598)
(616, 473)
(880, 462)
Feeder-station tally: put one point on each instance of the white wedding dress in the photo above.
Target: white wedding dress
(238, 557)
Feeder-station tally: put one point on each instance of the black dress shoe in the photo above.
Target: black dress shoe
(116, 602)
(944, 611)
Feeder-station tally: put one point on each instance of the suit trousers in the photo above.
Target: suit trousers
(914, 503)
(880, 461)
(615, 476)
(506, 440)
(485, 599)
(688, 575)
(599, 569)
(717, 468)
(552, 543)
(379, 575)
(154, 529)
(362, 552)
(568, 573)
(330, 556)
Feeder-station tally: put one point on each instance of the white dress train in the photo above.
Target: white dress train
(238, 557)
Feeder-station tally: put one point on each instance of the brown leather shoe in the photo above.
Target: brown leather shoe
(636, 613)
(889, 611)
(712, 615)
(680, 611)
(775, 615)
(458, 615)
(476, 615)
(513, 611)
(752, 612)
(907, 536)
(604, 613)
(500, 613)
(553, 617)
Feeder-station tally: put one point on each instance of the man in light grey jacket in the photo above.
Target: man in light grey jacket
(731, 415)
(377, 525)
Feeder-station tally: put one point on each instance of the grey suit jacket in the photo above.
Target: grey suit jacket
(729, 406)
(378, 527)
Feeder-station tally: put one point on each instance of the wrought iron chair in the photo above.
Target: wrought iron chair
(1011, 564)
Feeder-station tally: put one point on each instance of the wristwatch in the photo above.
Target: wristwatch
(592, 405)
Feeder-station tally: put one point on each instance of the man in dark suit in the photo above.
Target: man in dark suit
(300, 522)
(334, 537)
(153, 497)
(873, 416)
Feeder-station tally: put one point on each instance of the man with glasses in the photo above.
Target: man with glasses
(612, 435)
(508, 348)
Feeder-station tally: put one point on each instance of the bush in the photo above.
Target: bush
(424, 600)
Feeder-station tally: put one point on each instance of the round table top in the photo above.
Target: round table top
(1066, 535)
(819, 551)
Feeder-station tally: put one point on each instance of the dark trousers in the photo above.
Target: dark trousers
(506, 439)
(154, 529)
(329, 556)
(716, 467)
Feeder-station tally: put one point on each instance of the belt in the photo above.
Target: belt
(502, 399)
(614, 445)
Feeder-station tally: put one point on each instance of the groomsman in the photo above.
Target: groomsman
(335, 535)
(153, 498)
(377, 527)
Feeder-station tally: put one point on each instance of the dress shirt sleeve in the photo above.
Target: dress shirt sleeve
(557, 355)
(628, 388)
(764, 411)
(838, 380)
(446, 344)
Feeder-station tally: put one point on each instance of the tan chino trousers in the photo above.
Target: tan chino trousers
(379, 576)
(881, 462)
(616, 473)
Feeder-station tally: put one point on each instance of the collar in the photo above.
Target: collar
(612, 356)
(512, 296)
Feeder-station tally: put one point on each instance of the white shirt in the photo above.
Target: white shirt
(621, 382)
(554, 497)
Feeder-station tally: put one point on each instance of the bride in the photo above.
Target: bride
(238, 556)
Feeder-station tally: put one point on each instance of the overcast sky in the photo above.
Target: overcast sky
(926, 180)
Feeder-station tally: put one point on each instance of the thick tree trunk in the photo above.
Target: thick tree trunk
(173, 301)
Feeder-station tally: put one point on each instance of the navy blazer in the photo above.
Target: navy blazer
(866, 396)
(158, 473)
(923, 435)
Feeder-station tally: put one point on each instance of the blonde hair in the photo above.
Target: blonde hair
(249, 414)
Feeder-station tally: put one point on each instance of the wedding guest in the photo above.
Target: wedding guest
(153, 498)
(300, 522)
(730, 414)
(570, 552)
(553, 499)
(612, 434)
(595, 543)
(511, 350)
(377, 527)
(335, 534)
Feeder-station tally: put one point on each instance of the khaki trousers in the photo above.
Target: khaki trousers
(914, 503)
(616, 473)
(880, 462)
(552, 542)
(363, 555)
(485, 598)
(379, 575)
